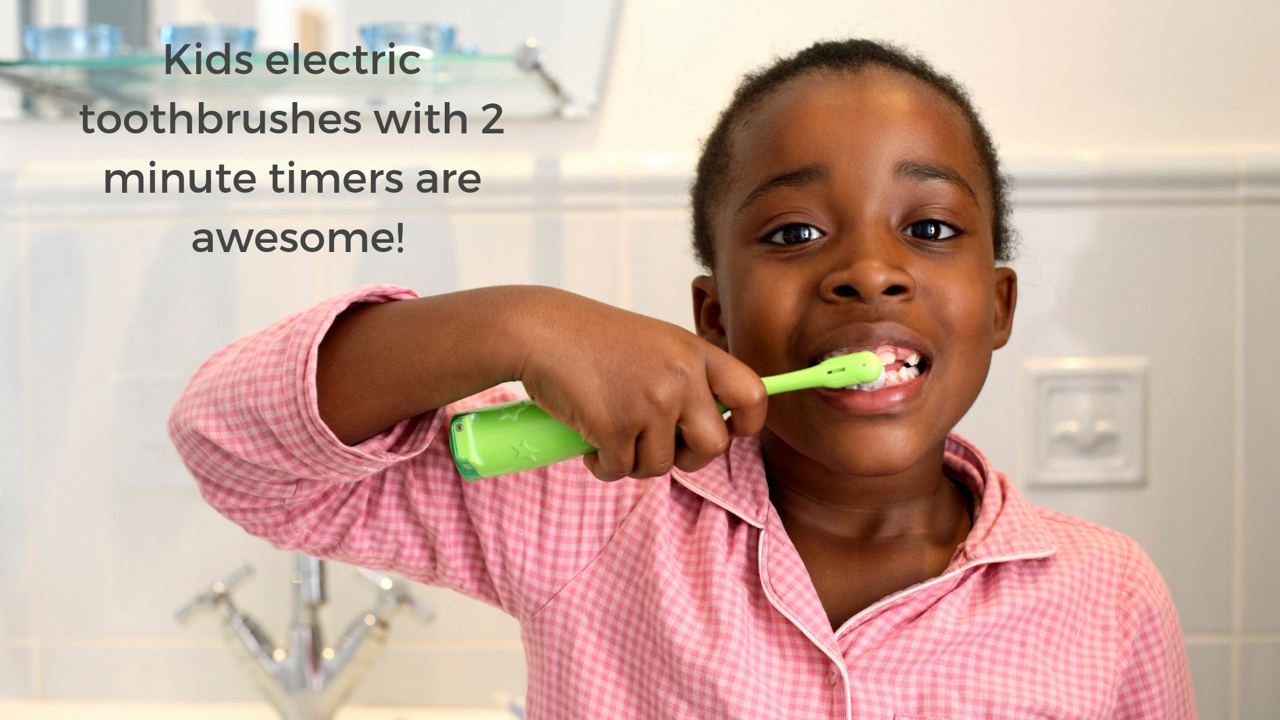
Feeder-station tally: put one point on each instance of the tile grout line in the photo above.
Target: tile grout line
(623, 248)
(1238, 453)
(1227, 638)
(317, 278)
(28, 442)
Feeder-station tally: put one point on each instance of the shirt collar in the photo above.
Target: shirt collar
(1005, 527)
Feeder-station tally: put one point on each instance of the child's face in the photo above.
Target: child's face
(856, 216)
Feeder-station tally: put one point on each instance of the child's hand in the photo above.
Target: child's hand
(625, 382)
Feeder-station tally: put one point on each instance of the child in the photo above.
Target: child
(843, 556)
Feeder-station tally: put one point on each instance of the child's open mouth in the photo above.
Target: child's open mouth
(901, 365)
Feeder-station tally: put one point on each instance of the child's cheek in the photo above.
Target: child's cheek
(762, 315)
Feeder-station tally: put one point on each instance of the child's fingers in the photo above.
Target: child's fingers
(738, 388)
(690, 461)
(655, 451)
(592, 461)
(703, 434)
(614, 439)
(652, 454)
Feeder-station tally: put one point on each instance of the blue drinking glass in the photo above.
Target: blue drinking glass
(436, 37)
(79, 42)
(210, 37)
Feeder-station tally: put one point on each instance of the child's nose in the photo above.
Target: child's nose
(869, 278)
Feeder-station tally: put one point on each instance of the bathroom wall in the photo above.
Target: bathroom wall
(1050, 77)
(106, 313)
(1146, 147)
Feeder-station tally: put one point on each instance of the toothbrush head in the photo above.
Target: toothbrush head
(853, 369)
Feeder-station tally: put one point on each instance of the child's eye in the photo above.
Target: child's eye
(931, 230)
(795, 234)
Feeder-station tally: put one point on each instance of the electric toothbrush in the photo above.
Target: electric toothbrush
(515, 436)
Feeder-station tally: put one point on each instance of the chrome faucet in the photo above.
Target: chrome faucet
(306, 680)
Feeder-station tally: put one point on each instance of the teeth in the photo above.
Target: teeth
(889, 378)
(910, 369)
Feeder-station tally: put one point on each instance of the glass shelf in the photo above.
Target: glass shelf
(467, 82)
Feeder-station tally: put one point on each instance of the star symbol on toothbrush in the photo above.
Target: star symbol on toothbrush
(524, 451)
(512, 412)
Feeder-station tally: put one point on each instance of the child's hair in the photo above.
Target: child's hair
(846, 56)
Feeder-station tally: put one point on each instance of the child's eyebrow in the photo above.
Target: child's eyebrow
(794, 178)
(920, 172)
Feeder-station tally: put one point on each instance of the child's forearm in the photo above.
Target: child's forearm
(381, 364)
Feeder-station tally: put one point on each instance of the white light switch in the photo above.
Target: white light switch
(1083, 420)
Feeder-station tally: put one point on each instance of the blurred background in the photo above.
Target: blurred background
(1144, 139)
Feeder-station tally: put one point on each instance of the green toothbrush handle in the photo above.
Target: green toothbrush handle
(514, 436)
(510, 437)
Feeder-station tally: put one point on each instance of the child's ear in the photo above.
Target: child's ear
(1006, 300)
(706, 311)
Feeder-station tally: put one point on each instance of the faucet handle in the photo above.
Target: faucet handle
(393, 593)
(425, 613)
(217, 593)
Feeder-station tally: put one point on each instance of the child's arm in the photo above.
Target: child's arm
(1156, 682)
(622, 380)
(249, 428)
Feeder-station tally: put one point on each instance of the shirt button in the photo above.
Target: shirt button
(833, 675)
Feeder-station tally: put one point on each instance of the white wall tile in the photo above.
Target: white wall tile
(1260, 681)
(1211, 674)
(205, 673)
(448, 675)
(272, 285)
(145, 457)
(16, 672)
(182, 309)
(143, 558)
(1261, 601)
(591, 255)
(547, 254)
(1156, 283)
(660, 265)
(493, 249)
(428, 265)
(11, 199)
(15, 605)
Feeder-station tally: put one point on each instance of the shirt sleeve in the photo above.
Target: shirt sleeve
(1156, 679)
(248, 428)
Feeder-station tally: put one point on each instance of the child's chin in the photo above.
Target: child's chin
(871, 460)
(879, 447)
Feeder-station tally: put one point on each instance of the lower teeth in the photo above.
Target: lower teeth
(889, 378)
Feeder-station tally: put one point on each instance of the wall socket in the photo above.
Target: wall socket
(1083, 421)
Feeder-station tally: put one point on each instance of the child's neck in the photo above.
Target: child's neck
(915, 500)
(862, 538)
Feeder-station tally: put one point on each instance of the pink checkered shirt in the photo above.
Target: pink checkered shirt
(682, 596)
